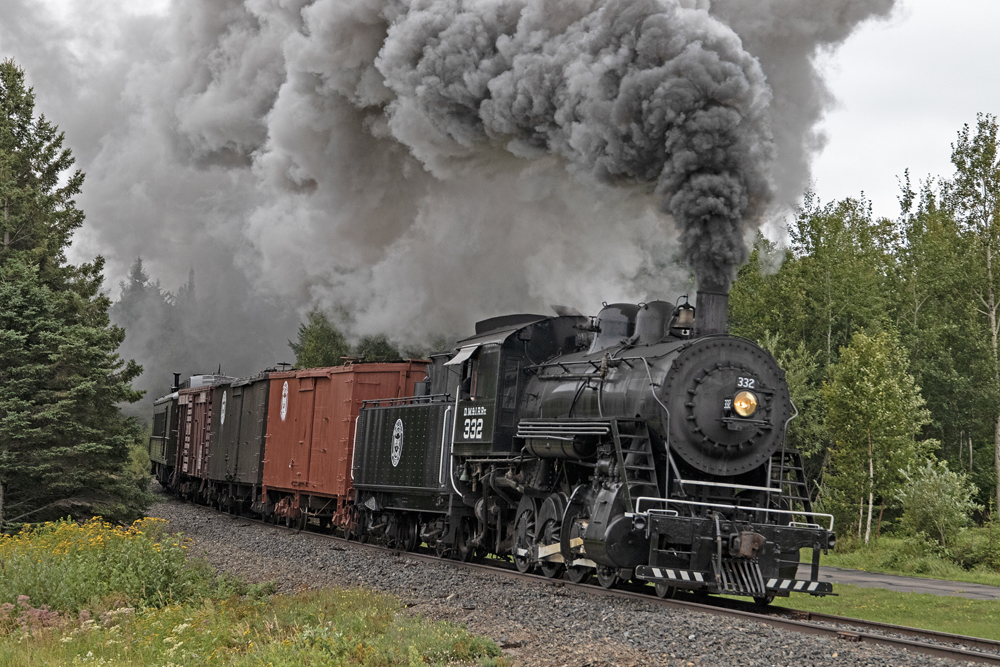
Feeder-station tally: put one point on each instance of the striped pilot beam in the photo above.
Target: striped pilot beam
(792, 585)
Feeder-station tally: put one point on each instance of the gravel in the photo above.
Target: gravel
(535, 624)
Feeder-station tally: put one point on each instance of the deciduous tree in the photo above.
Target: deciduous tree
(974, 195)
(319, 343)
(875, 413)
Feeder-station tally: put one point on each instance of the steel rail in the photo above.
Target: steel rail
(779, 617)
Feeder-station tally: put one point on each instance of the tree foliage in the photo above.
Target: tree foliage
(935, 500)
(875, 413)
(925, 278)
(64, 445)
(319, 343)
(974, 197)
(376, 349)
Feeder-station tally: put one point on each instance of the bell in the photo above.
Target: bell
(685, 317)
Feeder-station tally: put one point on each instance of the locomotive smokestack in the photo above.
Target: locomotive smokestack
(711, 312)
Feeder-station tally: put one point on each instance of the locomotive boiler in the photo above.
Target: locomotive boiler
(644, 443)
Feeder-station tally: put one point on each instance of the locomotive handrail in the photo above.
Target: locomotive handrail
(451, 456)
(561, 429)
(572, 376)
(354, 446)
(444, 440)
(694, 482)
(695, 503)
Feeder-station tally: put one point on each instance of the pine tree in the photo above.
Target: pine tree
(64, 444)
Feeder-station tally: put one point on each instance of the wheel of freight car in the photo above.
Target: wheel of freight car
(411, 535)
(764, 601)
(607, 576)
(579, 574)
(664, 591)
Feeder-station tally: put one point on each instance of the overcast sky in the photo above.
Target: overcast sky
(904, 88)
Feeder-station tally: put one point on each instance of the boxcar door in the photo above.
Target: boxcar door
(326, 445)
(290, 433)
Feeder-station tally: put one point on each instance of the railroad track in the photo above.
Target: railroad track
(929, 642)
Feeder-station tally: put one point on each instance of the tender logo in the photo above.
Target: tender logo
(397, 443)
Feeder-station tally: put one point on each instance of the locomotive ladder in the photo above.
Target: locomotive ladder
(788, 475)
(634, 450)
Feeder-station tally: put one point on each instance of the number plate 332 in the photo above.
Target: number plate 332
(473, 429)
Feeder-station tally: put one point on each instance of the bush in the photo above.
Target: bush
(978, 547)
(69, 566)
(936, 501)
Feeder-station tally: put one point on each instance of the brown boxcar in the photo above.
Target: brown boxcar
(310, 434)
(194, 408)
(194, 440)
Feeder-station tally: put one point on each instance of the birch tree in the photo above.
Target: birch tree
(974, 195)
(875, 413)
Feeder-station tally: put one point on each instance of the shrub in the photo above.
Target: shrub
(936, 501)
(978, 547)
(68, 566)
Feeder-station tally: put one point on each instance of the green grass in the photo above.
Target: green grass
(961, 616)
(322, 627)
(907, 557)
(97, 594)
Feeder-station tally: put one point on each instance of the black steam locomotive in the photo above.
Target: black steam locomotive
(642, 444)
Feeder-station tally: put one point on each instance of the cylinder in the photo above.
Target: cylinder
(711, 316)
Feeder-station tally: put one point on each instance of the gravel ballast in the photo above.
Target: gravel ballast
(536, 624)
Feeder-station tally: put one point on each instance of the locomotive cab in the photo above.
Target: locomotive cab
(494, 367)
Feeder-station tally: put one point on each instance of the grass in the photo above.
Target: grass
(906, 557)
(962, 616)
(321, 627)
(97, 594)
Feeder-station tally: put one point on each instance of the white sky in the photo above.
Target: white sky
(904, 88)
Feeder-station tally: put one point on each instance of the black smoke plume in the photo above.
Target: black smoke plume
(422, 164)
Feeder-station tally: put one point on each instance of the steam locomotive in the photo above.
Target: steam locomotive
(642, 444)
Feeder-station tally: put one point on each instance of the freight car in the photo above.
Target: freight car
(209, 435)
(644, 444)
(310, 437)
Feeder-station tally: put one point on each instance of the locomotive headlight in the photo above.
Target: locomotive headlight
(745, 403)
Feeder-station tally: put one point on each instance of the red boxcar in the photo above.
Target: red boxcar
(310, 434)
